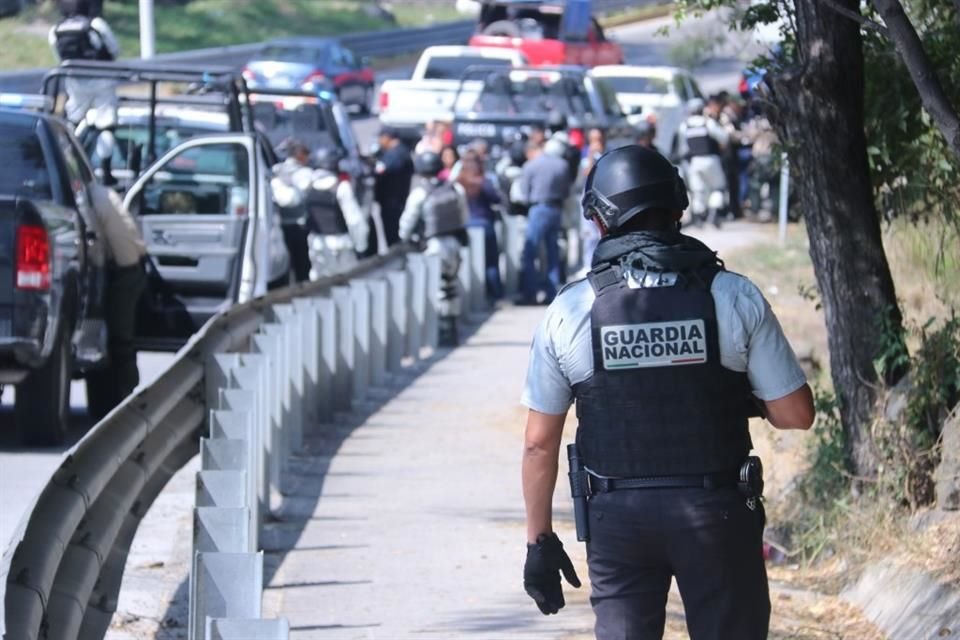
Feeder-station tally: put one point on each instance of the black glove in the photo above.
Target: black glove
(541, 573)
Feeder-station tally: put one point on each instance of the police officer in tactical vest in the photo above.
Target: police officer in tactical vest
(83, 36)
(437, 212)
(701, 139)
(666, 355)
(339, 230)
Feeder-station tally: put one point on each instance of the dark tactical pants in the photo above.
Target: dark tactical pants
(107, 387)
(295, 237)
(708, 539)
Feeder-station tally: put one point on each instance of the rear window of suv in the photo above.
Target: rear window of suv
(637, 84)
(25, 172)
(452, 68)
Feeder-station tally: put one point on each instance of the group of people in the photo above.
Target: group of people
(726, 149)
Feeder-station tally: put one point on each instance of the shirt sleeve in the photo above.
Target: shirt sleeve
(547, 389)
(357, 225)
(106, 34)
(772, 366)
(411, 213)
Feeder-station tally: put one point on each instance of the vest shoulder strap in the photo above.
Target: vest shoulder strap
(603, 277)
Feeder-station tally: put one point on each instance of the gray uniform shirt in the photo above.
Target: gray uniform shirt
(751, 340)
(546, 178)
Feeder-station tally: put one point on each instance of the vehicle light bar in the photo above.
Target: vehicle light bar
(26, 101)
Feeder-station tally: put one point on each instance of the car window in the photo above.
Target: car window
(453, 67)
(637, 84)
(213, 179)
(25, 170)
(294, 53)
(608, 97)
(130, 135)
(531, 94)
(681, 88)
(694, 88)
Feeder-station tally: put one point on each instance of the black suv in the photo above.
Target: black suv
(52, 271)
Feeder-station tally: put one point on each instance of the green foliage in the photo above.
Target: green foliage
(693, 51)
(828, 477)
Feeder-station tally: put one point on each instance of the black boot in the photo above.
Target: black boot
(448, 333)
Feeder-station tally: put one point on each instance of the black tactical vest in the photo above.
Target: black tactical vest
(659, 401)
(325, 214)
(442, 211)
(699, 141)
(74, 42)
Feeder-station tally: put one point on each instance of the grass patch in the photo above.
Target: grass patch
(411, 15)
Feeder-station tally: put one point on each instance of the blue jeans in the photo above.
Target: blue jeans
(543, 225)
(491, 257)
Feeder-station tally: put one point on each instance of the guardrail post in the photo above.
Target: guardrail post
(379, 330)
(361, 336)
(218, 529)
(418, 304)
(329, 358)
(478, 269)
(217, 370)
(238, 426)
(248, 395)
(310, 349)
(237, 629)
(228, 585)
(343, 378)
(431, 325)
(270, 345)
(225, 489)
(399, 318)
(294, 326)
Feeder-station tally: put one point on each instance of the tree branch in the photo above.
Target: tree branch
(863, 21)
(924, 76)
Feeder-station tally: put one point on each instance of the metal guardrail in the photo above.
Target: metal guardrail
(242, 392)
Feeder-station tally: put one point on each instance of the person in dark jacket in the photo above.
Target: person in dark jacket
(394, 173)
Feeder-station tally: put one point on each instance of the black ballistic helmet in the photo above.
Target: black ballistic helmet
(327, 158)
(428, 164)
(630, 180)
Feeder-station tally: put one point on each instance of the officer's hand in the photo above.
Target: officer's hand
(541, 573)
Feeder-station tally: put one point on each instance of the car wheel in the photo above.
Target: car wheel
(42, 408)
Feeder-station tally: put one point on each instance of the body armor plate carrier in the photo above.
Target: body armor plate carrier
(326, 216)
(699, 141)
(659, 401)
(74, 42)
(442, 213)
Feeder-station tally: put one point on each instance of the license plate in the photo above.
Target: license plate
(477, 130)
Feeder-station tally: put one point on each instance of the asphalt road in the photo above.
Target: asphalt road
(23, 472)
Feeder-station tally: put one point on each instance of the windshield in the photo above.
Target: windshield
(169, 134)
(292, 53)
(637, 84)
(24, 167)
(532, 94)
(452, 68)
(285, 121)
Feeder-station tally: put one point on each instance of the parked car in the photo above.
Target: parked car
(428, 95)
(313, 64)
(52, 272)
(667, 93)
(204, 206)
(547, 32)
(510, 102)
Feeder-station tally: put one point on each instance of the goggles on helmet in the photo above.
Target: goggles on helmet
(595, 204)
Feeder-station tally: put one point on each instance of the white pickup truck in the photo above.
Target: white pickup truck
(430, 92)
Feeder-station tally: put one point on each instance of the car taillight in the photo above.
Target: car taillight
(384, 100)
(248, 74)
(343, 176)
(33, 258)
(576, 138)
(317, 77)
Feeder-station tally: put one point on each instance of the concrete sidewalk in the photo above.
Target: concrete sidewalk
(409, 522)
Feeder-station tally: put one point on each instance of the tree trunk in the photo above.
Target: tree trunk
(818, 112)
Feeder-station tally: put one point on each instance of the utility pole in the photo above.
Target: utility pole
(147, 35)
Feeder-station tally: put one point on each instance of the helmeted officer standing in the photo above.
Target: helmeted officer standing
(339, 230)
(437, 211)
(290, 184)
(667, 355)
(701, 140)
(82, 35)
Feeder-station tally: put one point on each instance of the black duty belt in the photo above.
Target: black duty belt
(703, 481)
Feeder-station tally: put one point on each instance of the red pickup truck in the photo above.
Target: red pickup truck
(547, 32)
